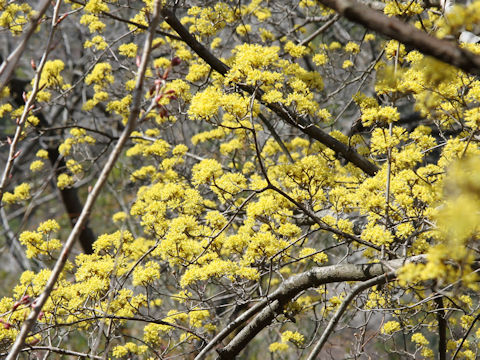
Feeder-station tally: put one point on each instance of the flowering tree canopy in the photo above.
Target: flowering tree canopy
(213, 179)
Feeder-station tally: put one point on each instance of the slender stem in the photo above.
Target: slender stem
(457, 351)
(320, 30)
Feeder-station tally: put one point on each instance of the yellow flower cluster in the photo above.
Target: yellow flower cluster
(277, 347)
(64, 181)
(419, 339)
(394, 8)
(93, 8)
(208, 21)
(294, 337)
(390, 327)
(36, 243)
(295, 51)
(128, 50)
(74, 167)
(101, 76)
(97, 42)
(15, 16)
(79, 136)
(129, 348)
(144, 275)
(50, 79)
(20, 193)
(36, 165)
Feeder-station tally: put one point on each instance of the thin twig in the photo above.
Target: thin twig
(58, 351)
(320, 30)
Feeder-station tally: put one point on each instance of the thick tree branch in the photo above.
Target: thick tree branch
(293, 286)
(407, 34)
(284, 113)
(274, 303)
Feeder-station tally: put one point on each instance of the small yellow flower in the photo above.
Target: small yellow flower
(346, 64)
(119, 217)
(243, 29)
(352, 47)
(64, 181)
(320, 59)
(36, 165)
(420, 339)
(128, 50)
(276, 346)
(390, 327)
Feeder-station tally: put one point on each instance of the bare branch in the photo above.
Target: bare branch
(407, 34)
(58, 350)
(319, 31)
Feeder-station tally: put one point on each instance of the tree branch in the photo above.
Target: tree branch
(58, 350)
(294, 285)
(319, 31)
(407, 34)
(442, 330)
(130, 22)
(273, 304)
(284, 113)
(275, 135)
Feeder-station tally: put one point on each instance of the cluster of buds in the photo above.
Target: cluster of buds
(25, 300)
(6, 324)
